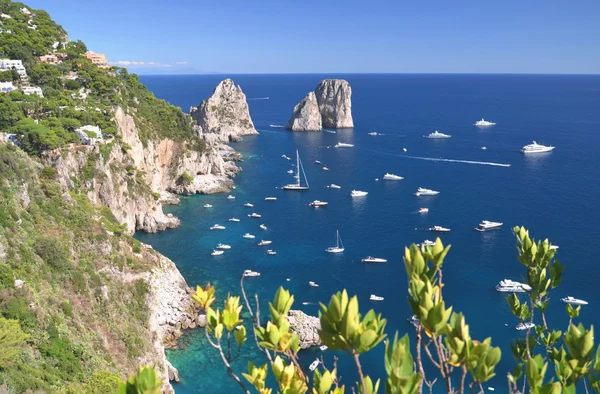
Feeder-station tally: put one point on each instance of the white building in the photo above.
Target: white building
(33, 90)
(8, 64)
(6, 87)
(84, 133)
(6, 16)
(25, 11)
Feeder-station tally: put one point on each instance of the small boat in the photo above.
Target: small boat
(376, 179)
(248, 235)
(317, 161)
(313, 284)
(234, 220)
(426, 192)
(414, 321)
(423, 210)
(276, 126)
(484, 123)
(404, 149)
(217, 227)
(428, 243)
(207, 206)
(573, 301)
(554, 247)
(284, 156)
(371, 259)
(358, 193)
(298, 185)
(392, 177)
(437, 135)
(510, 286)
(223, 246)
(249, 273)
(373, 297)
(334, 186)
(288, 158)
(318, 203)
(343, 145)
(230, 197)
(339, 245)
(524, 326)
(483, 148)
(536, 148)
(271, 252)
(255, 215)
(486, 225)
(263, 227)
(439, 229)
(217, 252)
(323, 347)
(248, 205)
(325, 169)
(373, 133)
(270, 198)
(314, 365)
(290, 171)
(264, 243)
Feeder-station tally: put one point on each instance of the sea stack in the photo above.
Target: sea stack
(330, 105)
(306, 116)
(224, 116)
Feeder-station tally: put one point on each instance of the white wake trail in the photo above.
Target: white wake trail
(483, 163)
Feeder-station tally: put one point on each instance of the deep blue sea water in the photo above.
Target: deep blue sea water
(554, 195)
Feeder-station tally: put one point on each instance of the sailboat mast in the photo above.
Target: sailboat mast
(298, 167)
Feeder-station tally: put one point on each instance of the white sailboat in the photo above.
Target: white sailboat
(298, 185)
(339, 245)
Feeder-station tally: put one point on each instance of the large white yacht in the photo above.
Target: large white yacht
(436, 135)
(265, 243)
(573, 301)
(248, 235)
(426, 192)
(343, 145)
(536, 148)
(318, 203)
(216, 253)
(255, 215)
(486, 225)
(427, 243)
(217, 227)
(392, 177)
(511, 286)
(358, 193)
(484, 123)
(270, 198)
(524, 326)
(248, 205)
(371, 259)
(439, 229)
(223, 246)
(234, 220)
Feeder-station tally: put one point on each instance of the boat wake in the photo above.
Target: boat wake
(258, 98)
(483, 163)
(277, 126)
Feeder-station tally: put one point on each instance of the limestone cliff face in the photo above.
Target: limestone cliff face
(335, 103)
(306, 116)
(224, 115)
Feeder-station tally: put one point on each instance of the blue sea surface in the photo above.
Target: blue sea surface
(554, 195)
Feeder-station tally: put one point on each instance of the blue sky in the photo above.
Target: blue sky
(331, 36)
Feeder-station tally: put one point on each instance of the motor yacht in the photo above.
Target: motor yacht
(230, 197)
(264, 243)
(373, 297)
(423, 210)
(249, 273)
(325, 169)
(439, 229)
(437, 135)
(271, 252)
(248, 235)
(248, 205)
(323, 347)
(426, 192)
(343, 145)
(373, 133)
(392, 177)
(313, 284)
(255, 215)
(318, 203)
(483, 148)
(334, 186)
(223, 246)
(317, 161)
(290, 171)
(284, 156)
(510, 286)
(536, 148)
(371, 259)
(314, 365)
(217, 227)
(263, 227)
(573, 301)
(358, 193)
(270, 198)
(524, 326)
(428, 243)
(486, 225)
(234, 220)
(554, 247)
(484, 123)
(217, 252)
(404, 150)
(207, 206)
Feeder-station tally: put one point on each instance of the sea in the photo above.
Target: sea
(554, 195)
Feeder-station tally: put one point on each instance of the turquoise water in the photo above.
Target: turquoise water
(554, 195)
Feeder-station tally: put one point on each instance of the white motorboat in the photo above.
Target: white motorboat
(371, 259)
(230, 197)
(248, 235)
(437, 135)
(554, 247)
(339, 245)
(373, 297)
(343, 145)
(573, 301)
(358, 193)
(317, 161)
(248, 205)
(483, 148)
(263, 227)
(290, 171)
(414, 321)
(536, 148)
(392, 177)
(511, 286)
(314, 365)
(313, 284)
(284, 156)
(486, 225)
(298, 185)
(404, 150)
(373, 133)
(325, 169)
(439, 229)
(428, 243)
(234, 220)
(423, 210)
(223, 246)
(271, 252)
(249, 273)
(426, 192)
(524, 326)
(264, 243)
(484, 123)
(323, 347)
(318, 203)
(207, 206)
(217, 227)
(255, 215)
(217, 252)
(270, 198)
(334, 186)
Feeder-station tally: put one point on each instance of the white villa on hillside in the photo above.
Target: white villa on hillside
(8, 64)
(84, 133)
(25, 11)
(33, 90)
(6, 87)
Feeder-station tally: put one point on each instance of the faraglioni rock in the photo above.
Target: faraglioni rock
(335, 103)
(225, 113)
(306, 327)
(306, 116)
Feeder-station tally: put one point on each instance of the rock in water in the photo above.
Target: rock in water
(334, 98)
(306, 327)
(306, 116)
(225, 113)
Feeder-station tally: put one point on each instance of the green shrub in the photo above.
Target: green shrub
(51, 250)
(67, 308)
(186, 179)
(48, 173)
(103, 382)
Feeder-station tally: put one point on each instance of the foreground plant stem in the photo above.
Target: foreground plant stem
(225, 362)
(360, 372)
(419, 360)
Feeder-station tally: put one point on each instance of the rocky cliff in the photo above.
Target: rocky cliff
(306, 328)
(306, 116)
(224, 116)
